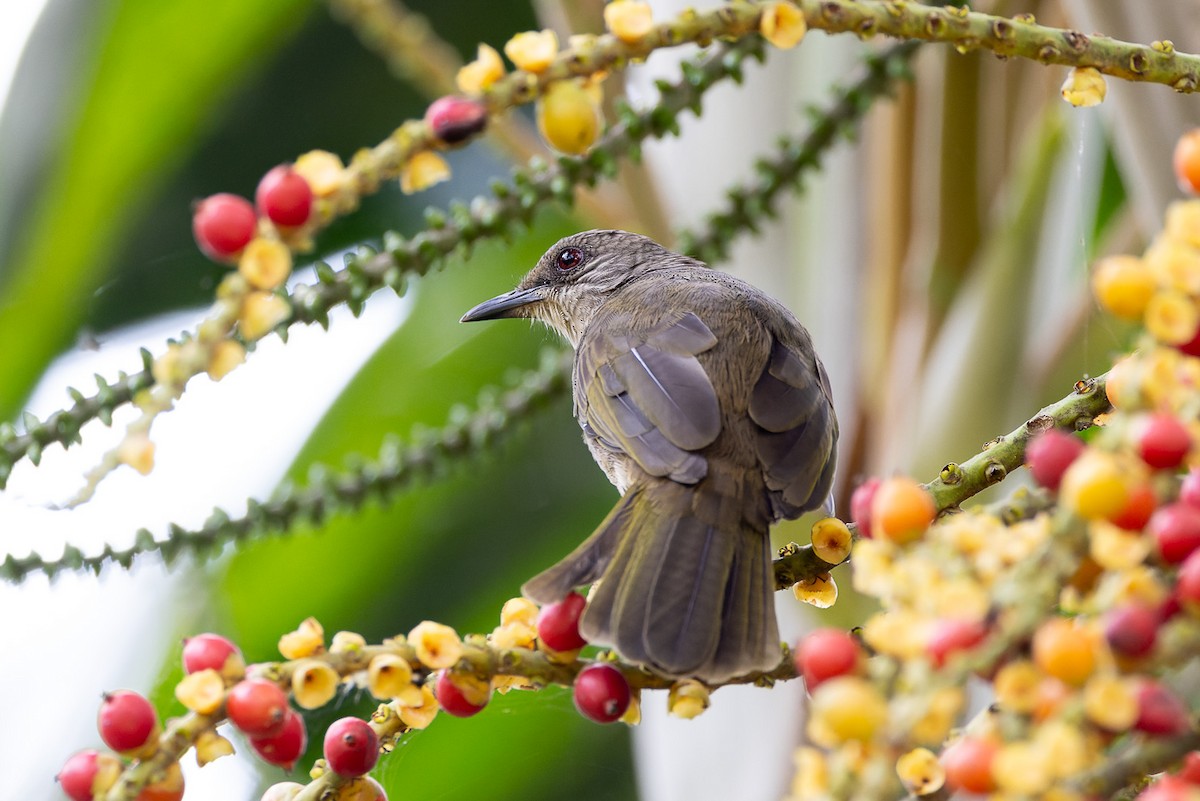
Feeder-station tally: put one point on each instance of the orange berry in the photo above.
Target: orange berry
(968, 764)
(1065, 651)
(1187, 162)
(901, 510)
(1123, 286)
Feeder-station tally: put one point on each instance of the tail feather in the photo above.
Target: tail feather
(683, 595)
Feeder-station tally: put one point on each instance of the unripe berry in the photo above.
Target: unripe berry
(1163, 441)
(601, 693)
(1131, 630)
(223, 224)
(1176, 531)
(284, 196)
(558, 623)
(825, 654)
(126, 720)
(968, 764)
(88, 774)
(286, 746)
(952, 635)
(1159, 710)
(351, 747)
(460, 698)
(1186, 161)
(568, 117)
(860, 505)
(901, 510)
(454, 119)
(1049, 454)
(258, 707)
(213, 651)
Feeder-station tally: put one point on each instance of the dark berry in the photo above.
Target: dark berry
(601, 693)
(1159, 710)
(223, 224)
(453, 119)
(258, 707)
(558, 623)
(284, 197)
(351, 747)
(126, 720)
(1131, 630)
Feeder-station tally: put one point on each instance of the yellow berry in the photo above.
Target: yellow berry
(687, 699)
(307, 640)
(1123, 285)
(202, 692)
(322, 170)
(388, 675)
(1095, 486)
(568, 117)
(314, 683)
(423, 169)
(532, 51)
(628, 20)
(921, 772)
(225, 356)
(137, 451)
(437, 645)
(1084, 87)
(846, 708)
(485, 70)
(783, 25)
(519, 610)
(1172, 317)
(265, 263)
(1065, 650)
(831, 540)
(261, 312)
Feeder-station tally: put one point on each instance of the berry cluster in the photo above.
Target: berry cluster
(1112, 551)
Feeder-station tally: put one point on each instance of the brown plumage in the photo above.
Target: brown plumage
(703, 401)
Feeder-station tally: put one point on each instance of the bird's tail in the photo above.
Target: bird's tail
(677, 592)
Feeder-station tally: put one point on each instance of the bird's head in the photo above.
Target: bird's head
(574, 277)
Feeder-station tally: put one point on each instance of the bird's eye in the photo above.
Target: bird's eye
(569, 259)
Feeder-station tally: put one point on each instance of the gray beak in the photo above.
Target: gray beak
(505, 305)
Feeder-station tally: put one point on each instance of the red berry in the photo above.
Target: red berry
(284, 196)
(558, 623)
(1190, 770)
(952, 635)
(1159, 710)
(1164, 441)
(968, 764)
(453, 119)
(213, 651)
(78, 776)
(1131, 630)
(1049, 454)
(258, 707)
(825, 654)
(860, 505)
(601, 693)
(1176, 530)
(126, 720)
(1189, 489)
(223, 224)
(285, 747)
(451, 698)
(1138, 508)
(1192, 346)
(1187, 583)
(351, 747)
(1168, 788)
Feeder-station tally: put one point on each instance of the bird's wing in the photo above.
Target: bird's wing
(792, 406)
(647, 395)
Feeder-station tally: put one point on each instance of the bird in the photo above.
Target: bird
(704, 402)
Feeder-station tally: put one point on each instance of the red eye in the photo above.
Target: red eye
(569, 258)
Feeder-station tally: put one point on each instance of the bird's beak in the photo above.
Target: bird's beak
(505, 305)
